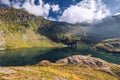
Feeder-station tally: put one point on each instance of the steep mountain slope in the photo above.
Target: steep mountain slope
(19, 29)
(69, 34)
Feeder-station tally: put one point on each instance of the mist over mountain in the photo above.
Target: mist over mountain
(105, 29)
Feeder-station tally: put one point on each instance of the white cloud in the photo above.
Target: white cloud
(16, 5)
(52, 19)
(86, 10)
(55, 8)
(117, 14)
(7, 2)
(39, 10)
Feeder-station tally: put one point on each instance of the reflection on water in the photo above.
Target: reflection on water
(31, 56)
(20, 57)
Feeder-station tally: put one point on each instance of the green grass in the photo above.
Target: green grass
(116, 70)
(68, 72)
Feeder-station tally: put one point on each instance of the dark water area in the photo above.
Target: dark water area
(21, 57)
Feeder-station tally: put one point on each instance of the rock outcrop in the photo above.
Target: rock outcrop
(109, 45)
(88, 61)
(81, 60)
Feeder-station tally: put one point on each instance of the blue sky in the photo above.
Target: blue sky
(71, 11)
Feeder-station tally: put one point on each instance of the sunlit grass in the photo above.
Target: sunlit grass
(29, 38)
(68, 72)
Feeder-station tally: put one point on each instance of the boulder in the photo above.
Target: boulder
(44, 63)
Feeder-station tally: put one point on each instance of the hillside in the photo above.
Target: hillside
(19, 29)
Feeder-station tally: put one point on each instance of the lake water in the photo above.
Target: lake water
(21, 57)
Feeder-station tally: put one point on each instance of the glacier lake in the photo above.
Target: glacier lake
(31, 56)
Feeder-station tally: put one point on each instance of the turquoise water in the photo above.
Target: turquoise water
(21, 57)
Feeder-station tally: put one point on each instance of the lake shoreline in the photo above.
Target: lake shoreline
(48, 70)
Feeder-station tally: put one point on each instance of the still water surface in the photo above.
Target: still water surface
(21, 57)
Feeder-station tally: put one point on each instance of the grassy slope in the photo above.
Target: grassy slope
(53, 72)
(20, 29)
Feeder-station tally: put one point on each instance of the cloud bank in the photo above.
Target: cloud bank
(87, 10)
(84, 11)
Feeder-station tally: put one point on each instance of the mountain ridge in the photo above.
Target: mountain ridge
(18, 22)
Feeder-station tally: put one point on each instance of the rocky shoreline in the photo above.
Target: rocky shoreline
(85, 61)
(81, 60)
(109, 45)
(76, 67)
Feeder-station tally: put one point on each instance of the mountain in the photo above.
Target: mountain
(19, 29)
